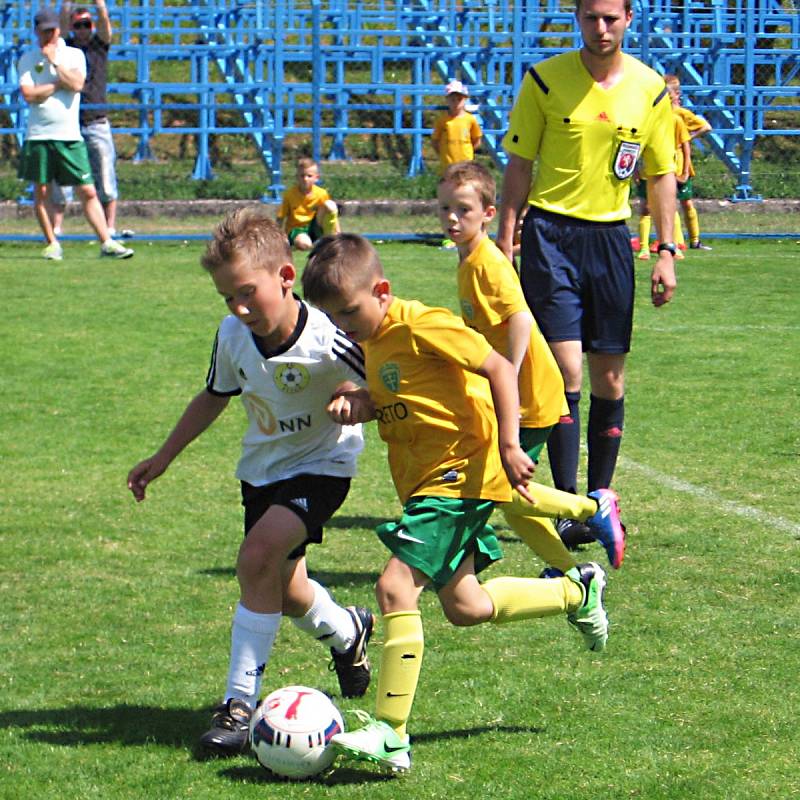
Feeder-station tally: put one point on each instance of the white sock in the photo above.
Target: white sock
(252, 636)
(327, 621)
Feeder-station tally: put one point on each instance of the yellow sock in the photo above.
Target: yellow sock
(526, 598)
(330, 224)
(644, 231)
(549, 502)
(693, 224)
(401, 662)
(678, 232)
(541, 536)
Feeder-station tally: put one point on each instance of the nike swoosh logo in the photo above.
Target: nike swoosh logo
(388, 749)
(392, 694)
(408, 538)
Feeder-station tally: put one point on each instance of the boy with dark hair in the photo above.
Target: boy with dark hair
(285, 360)
(446, 405)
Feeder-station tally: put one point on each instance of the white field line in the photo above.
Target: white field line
(700, 492)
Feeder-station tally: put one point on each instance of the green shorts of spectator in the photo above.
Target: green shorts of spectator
(66, 163)
(532, 440)
(436, 534)
(312, 230)
(686, 190)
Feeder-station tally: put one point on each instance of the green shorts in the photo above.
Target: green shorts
(532, 440)
(312, 230)
(641, 189)
(66, 163)
(686, 190)
(435, 534)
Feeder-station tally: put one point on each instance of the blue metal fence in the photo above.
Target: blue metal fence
(333, 69)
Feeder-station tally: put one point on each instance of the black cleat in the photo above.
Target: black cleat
(352, 666)
(573, 533)
(229, 734)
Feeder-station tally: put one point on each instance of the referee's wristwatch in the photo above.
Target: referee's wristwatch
(669, 247)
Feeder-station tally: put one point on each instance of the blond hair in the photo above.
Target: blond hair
(339, 263)
(672, 80)
(248, 234)
(476, 175)
(306, 163)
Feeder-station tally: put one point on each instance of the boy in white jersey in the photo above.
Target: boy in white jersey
(286, 360)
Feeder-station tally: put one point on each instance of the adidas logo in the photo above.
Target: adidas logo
(300, 502)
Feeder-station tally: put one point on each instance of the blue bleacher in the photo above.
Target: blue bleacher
(313, 68)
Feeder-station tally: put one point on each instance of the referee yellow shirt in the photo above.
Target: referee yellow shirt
(489, 292)
(433, 412)
(587, 138)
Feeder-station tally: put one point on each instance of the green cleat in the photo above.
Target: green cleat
(377, 742)
(590, 618)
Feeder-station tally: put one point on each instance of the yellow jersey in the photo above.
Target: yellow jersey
(489, 292)
(587, 138)
(434, 412)
(456, 137)
(682, 136)
(298, 209)
(693, 121)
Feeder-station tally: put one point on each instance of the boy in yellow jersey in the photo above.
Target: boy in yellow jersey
(491, 302)
(307, 212)
(695, 126)
(446, 405)
(456, 132)
(585, 117)
(683, 171)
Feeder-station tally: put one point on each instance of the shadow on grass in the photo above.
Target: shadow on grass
(133, 726)
(120, 724)
(329, 578)
(342, 775)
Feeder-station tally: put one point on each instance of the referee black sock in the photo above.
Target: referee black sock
(563, 446)
(606, 419)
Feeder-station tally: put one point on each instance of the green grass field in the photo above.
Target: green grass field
(116, 616)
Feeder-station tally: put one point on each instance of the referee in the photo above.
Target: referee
(586, 116)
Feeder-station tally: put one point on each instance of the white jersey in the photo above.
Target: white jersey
(56, 119)
(285, 393)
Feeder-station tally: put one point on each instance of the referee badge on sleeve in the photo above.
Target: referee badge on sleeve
(625, 159)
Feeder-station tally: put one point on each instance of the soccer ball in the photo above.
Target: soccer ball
(291, 731)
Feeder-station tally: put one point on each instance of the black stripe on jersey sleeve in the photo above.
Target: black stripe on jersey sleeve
(212, 373)
(542, 85)
(212, 367)
(350, 353)
(660, 96)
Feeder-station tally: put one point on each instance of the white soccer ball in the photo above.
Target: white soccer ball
(291, 731)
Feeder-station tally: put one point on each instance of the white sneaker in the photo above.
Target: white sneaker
(114, 249)
(53, 252)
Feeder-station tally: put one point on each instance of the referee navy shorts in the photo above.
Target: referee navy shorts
(578, 279)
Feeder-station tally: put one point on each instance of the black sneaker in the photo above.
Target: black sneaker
(352, 666)
(229, 734)
(573, 533)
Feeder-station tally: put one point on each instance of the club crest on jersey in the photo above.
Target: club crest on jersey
(291, 378)
(390, 375)
(625, 159)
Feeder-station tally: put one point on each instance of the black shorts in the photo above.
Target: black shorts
(313, 498)
(578, 279)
